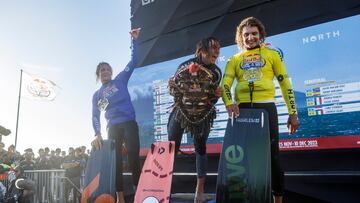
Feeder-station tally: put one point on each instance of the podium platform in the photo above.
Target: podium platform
(189, 198)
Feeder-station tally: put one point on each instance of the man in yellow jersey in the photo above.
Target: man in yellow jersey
(254, 68)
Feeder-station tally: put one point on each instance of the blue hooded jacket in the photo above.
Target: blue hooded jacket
(119, 108)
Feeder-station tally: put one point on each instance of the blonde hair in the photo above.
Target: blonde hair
(252, 22)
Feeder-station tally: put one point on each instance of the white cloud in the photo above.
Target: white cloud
(140, 91)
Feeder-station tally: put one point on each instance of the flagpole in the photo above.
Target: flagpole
(18, 109)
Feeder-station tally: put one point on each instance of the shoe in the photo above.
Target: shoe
(199, 198)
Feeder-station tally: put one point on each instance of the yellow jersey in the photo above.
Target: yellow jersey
(259, 66)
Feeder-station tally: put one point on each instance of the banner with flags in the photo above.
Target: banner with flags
(37, 88)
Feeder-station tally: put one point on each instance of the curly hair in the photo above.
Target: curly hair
(252, 22)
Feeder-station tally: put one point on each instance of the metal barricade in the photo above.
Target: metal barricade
(49, 185)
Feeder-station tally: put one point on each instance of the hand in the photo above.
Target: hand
(97, 142)
(293, 123)
(135, 33)
(233, 109)
(218, 92)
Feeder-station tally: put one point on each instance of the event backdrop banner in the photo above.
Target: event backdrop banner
(324, 66)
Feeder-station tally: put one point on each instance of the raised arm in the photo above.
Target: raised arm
(128, 70)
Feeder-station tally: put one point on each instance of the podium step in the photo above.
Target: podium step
(189, 197)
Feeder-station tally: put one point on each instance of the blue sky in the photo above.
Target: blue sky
(62, 41)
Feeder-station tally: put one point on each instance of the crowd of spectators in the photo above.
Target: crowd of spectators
(45, 159)
(73, 162)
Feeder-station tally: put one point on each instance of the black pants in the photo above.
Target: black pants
(277, 174)
(128, 133)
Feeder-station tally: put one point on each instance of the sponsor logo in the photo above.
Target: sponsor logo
(252, 64)
(280, 52)
(227, 91)
(39, 88)
(158, 165)
(280, 78)
(321, 37)
(234, 154)
(252, 61)
(245, 65)
(252, 74)
(248, 120)
(109, 91)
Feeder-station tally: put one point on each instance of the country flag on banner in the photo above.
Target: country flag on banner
(319, 100)
(37, 88)
(320, 112)
(315, 111)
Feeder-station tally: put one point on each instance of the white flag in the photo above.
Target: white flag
(37, 88)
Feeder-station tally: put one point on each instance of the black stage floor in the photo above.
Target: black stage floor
(289, 197)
